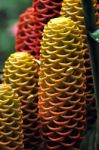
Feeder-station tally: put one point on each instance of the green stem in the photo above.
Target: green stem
(90, 21)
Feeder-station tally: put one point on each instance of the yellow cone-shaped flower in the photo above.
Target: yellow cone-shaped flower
(21, 72)
(11, 133)
(61, 94)
(74, 9)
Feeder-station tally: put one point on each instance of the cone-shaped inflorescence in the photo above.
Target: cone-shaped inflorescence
(26, 40)
(31, 24)
(11, 133)
(74, 9)
(61, 94)
(21, 72)
(45, 10)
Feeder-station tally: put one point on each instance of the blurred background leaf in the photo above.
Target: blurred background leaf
(9, 14)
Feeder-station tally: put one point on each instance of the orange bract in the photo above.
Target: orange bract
(61, 93)
(74, 10)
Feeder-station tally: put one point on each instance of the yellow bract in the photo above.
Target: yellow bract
(21, 72)
(74, 10)
(11, 134)
(61, 93)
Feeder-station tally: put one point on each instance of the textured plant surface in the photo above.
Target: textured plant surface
(74, 9)
(61, 94)
(45, 11)
(26, 40)
(21, 72)
(31, 24)
(11, 133)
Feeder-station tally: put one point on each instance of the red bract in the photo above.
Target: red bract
(46, 9)
(26, 36)
(31, 25)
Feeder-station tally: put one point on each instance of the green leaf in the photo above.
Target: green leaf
(95, 35)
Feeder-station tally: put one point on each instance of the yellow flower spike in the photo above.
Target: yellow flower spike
(11, 133)
(74, 10)
(62, 105)
(21, 72)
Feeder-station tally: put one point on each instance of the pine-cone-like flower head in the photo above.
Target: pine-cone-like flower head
(31, 24)
(61, 94)
(26, 39)
(11, 133)
(21, 72)
(74, 10)
(45, 10)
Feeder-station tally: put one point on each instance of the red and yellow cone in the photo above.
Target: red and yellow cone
(74, 10)
(62, 104)
(31, 25)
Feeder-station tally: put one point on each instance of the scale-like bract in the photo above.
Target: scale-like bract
(62, 104)
(74, 9)
(21, 72)
(11, 133)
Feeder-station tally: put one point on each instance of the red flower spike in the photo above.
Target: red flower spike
(32, 22)
(26, 40)
(45, 11)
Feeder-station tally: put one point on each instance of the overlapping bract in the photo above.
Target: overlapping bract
(21, 72)
(11, 133)
(74, 9)
(45, 10)
(31, 24)
(61, 94)
(26, 40)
